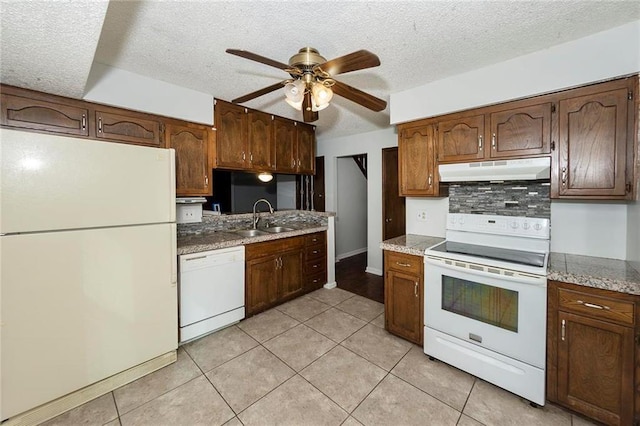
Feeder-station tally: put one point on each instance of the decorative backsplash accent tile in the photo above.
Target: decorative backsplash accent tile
(514, 198)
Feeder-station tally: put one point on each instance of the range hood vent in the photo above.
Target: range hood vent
(499, 170)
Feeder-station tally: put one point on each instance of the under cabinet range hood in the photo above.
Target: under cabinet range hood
(498, 170)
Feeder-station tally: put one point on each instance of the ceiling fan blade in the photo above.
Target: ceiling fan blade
(358, 96)
(258, 93)
(254, 57)
(352, 62)
(308, 115)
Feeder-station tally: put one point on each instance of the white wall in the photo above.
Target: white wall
(603, 55)
(633, 232)
(436, 209)
(351, 217)
(589, 228)
(120, 88)
(370, 143)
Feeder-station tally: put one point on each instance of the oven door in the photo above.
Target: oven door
(500, 310)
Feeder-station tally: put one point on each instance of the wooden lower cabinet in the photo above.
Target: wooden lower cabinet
(315, 258)
(592, 352)
(403, 295)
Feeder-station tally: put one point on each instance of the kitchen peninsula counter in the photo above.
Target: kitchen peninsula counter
(410, 244)
(216, 231)
(597, 272)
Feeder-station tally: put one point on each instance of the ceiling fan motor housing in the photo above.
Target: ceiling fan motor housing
(306, 59)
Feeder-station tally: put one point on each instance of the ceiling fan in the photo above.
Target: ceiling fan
(312, 86)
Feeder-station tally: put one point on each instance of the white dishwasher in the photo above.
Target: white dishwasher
(211, 291)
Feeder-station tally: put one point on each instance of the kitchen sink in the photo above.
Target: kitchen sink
(250, 232)
(278, 229)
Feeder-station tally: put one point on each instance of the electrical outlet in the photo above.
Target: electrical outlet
(422, 216)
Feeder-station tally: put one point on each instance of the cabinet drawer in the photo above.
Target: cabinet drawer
(316, 252)
(316, 238)
(315, 266)
(317, 280)
(407, 263)
(619, 311)
(268, 248)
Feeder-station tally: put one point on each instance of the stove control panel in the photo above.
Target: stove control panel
(532, 227)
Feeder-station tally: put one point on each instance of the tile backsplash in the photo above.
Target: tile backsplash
(513, 198)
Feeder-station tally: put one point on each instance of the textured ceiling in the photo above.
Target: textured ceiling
(184, 42)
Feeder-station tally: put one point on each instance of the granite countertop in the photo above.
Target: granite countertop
(410, 244)
(597, 272)
(225, 238)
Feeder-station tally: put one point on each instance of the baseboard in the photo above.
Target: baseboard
(58, 406)
(351, 253)
(374, 271)
(330, 285)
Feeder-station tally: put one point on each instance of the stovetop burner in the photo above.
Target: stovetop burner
(507, 255)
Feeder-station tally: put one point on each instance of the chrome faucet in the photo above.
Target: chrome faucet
(255, 216)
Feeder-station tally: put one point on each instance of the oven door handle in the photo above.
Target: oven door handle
(518, 277)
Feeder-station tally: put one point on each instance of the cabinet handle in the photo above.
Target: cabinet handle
(593, 305)
(493, 141)
(206, 180)
(415, 289)
(403, 264)
(316, 252)
(99, 124)
(251, 157)
(298, 162)
(243, 156)
(293, 164)
(480, 142)
(562, 334)
(430, 180)
(564, 176)
(84, 121)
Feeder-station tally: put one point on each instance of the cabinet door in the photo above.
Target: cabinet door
(596, 368)
(43, 116)
(128, 129)
(261, 146)
(231, 140)
(193, 169)
(416, 161)
(285, 135)
(306, 149)
(592, 145)
(403, 303)
(461, 139)
(521, 132)
(291, 273)
(262, 284)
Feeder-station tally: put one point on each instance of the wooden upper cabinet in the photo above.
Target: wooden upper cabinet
(416, 161)
(232, 144)
(261, 141)
(285, 136)
(461, 139)
(193, 145)
(594, 157)
(128, 128)
(520, 132)
(306, 151)
(43, 115)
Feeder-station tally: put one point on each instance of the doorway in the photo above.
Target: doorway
(393, 205)
(310, 193)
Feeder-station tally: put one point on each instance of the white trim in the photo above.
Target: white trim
(374, 271)
(331, 285)
(351, 253)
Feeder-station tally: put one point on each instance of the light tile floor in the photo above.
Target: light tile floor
(322, 359)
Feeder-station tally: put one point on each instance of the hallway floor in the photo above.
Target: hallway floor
(351, 276)
(321, 359)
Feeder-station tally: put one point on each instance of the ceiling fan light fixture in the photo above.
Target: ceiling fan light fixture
(265, 177)
(296, 105)
(294, 91)
(321, 93)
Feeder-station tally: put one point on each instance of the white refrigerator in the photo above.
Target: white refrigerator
(88, 263)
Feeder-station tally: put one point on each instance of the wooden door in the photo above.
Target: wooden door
(285, 137)
(261, 146)
(306, 149)
(596, 368)
(592, 145)
(193, 152)
(291, 264)
(521, 131)
(231, 125)
(262, 284)
(416, 161)
(461, 139)
(393, 205)
(403, 301)
(44, 116)
(318, 186)
(130, 129)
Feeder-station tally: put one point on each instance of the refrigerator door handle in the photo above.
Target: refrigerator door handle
(172, 184)
(174, 255)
